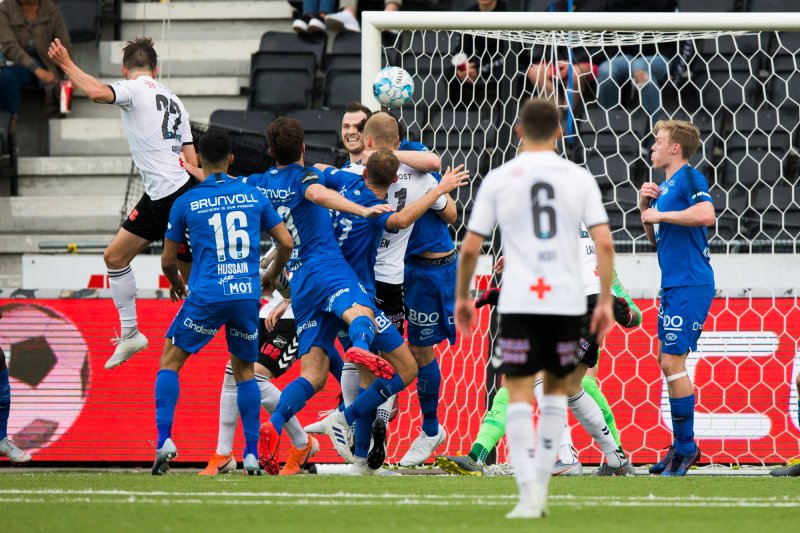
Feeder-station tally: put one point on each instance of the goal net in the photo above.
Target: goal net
(741, 87)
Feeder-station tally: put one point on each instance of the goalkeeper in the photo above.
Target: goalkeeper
(628, 315)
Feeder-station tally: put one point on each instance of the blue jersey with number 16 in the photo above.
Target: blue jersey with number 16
(223, 219)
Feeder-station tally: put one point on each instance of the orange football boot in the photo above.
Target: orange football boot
(299, 457)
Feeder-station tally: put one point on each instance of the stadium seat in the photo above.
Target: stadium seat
(751, 165)
(343, 62)
(294, 89)
(341, 88)
(466, 128)
(254, 122)
(283, 60)
(322, 128)
(290, 42)
(346, 43)
(710, 6)
(82, 18)
(413, 118)
(780, 197)
(727, 75)
(772, 5)
(784, 83)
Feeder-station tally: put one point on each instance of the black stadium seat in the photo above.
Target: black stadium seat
(322, 127)
(292, 89)
(347, 43)
(82, 18)
(254, 122)
(290, 42)
(341, 88)
(281, 60)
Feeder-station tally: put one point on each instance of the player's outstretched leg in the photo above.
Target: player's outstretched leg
(167, 393)
(7, 448)
(589, 384)
(432, 434)
(248, 399)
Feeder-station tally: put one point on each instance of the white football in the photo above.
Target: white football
(48, 368)
(393, 87)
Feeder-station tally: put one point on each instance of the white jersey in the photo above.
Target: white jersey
(591, 280)
(156, 126)
(272, 303)
(539, 200)
(411, 185)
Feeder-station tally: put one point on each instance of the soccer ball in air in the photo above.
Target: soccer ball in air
(393, 87)
(48, 367)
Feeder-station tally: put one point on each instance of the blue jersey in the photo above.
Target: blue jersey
(682, 251)
(430, 233)
(223, 219)
(308, 223)
(358, 237)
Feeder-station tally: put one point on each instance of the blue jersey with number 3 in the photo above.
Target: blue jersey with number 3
(358, 237)
(223, 219)
(683, 251)
(308, 223)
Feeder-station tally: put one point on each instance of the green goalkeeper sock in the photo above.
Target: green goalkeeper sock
(590, 385)
(492, 429)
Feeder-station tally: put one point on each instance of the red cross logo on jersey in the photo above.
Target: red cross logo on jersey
(596, 273)
(541, 288)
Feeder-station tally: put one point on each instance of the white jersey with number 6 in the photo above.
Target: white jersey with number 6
(411, 185)
(539, 200)
(157, 126)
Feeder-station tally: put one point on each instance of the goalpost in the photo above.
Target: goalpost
(737, 77)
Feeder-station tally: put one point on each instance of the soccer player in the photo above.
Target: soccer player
(323, 285)
(359, 240)
(7, 448)
(160, 139)
(223, 218)
(539, 201)
(676, 214)
(277, 339)
(628, 315)
(792, 468)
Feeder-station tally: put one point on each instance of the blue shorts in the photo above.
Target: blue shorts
(430, 286)
(197, 323)
(681, 314)
(387, 337)
(316, 329)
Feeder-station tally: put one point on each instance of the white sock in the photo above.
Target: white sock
(228, 414)
(551, 426)
(385, 410)
(270, 395)
(591, 418)
(351, 382)
(538, 391)
(566, 452)
(123, 291)
(520, 436)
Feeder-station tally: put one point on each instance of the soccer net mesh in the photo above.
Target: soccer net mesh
(741, 89)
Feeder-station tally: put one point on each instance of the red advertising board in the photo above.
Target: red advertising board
(67, 407)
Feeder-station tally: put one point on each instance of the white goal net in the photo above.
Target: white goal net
(741, 88)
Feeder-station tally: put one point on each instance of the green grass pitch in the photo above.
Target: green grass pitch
(138, 502)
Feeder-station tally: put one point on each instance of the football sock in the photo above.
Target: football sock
(350, 383)
(362, 332)
(228, 415)
(293, 399)
(588, 414)
(123, 291)
(270, 396)
(492, 428)
(589, 383)
(683, 424)
(369, 400)
(336, 363)
(248, 399)
(520, 436)
(565, 450)
(429, 380)
(5, 401)
(551, 425)
(168, 389)
(363, 434)
(384, 411)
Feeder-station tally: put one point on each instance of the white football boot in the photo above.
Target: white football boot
(422, 448)
(133, 343)
(534, 506)
(14, 454)
(335, 427)
(361, 468)
(164, 455)
(251, 466)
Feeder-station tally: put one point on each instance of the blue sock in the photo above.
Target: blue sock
(5, 401)
(363, 434)
(293, 399)
(248, 399)
(168, 388)
(369, 400)
(683, 424)
(429, 380)
(336, 365)
(362, 332)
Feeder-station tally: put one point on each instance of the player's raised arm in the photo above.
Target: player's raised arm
(169, 266)
(284, 245)
(422, 160)
(450, 212)
(452, 179)
(87, 84)
(321, 195)
(468, 260)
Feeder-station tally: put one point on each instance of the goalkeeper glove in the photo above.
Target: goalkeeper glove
(489, 297)
(622, 313)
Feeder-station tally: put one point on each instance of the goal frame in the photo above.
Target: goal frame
(373, 22)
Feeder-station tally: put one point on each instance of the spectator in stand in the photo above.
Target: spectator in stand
(648, 65)
(346, 18)
(27, 27)
(484, 59)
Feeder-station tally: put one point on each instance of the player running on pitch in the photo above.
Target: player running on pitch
(157, 128)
